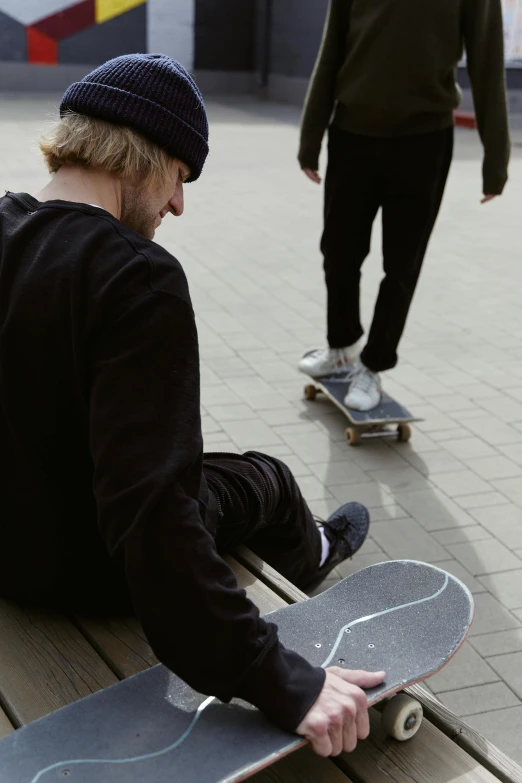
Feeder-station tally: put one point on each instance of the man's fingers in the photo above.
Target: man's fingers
(488, 197)
(320, 740)
(349, 736)
(336, 737)
(340, 715)
(313, 175)
(321, 745)
(362, 723)
(360, 678)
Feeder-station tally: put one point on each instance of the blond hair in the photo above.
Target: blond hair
(78, 140)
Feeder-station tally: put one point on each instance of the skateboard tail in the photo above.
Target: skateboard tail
(131, 759)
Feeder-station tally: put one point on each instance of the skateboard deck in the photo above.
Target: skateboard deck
(405, 617)
(364, 424)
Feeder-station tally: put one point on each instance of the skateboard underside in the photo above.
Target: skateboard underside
(389, 419)
(404, 617)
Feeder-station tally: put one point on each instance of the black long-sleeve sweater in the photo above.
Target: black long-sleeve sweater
(101, 451)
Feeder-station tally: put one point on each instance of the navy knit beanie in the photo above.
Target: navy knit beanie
(152, 94)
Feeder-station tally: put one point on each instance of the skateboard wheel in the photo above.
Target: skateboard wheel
(354, 437)
(310, 392)
(403, 433)
(401, 717)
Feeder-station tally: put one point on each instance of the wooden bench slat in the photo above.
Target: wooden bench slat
(263, 597)
(272, 578)
(45, 663)
(120, 642)
(5, 724)
(467, 738)
(430, 757)
(303, 766)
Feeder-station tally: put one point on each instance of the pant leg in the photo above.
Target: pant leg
(261, 505)
(350, 206)
(414, 174)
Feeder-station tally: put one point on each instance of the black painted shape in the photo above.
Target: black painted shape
(148, 713)
(225, 35)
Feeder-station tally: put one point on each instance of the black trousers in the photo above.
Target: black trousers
(406, 177)
(261, 505)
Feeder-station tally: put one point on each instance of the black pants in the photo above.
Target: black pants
(406, 177)
(262, 506)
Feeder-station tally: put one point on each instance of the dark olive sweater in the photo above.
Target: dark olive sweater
(387, 68)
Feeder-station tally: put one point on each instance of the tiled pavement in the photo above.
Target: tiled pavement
(453, 496)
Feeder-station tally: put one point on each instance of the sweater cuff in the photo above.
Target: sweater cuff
(494, 184)
(309, 150)
(307, 161)
(494, 179)
(283, 685)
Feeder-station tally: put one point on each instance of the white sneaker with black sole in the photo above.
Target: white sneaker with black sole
(329, 361)
(365, 391)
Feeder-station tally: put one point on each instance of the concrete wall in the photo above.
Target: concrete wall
(225, 45)
(46, 44)
(296, 30)
(296, 34)
(170, 29)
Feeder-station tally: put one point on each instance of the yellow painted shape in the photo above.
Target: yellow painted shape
(108, 9)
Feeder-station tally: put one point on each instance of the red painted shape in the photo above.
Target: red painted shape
(40, 48)
(465, 119)
(67, 22)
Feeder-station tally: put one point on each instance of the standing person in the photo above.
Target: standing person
(384, 83)
(106, 498)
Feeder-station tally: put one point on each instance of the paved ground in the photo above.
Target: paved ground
(248, 242)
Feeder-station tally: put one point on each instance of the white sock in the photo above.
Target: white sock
(325, 547)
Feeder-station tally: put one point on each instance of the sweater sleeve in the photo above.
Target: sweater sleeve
(484, 44)
(146, 445)
(320, 98)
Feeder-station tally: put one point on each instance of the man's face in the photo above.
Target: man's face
(143, 208)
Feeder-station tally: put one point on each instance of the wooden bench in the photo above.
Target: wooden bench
(48, 660)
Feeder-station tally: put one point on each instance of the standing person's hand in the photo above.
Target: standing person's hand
(339, 717)
(488, 197)
(313, 175)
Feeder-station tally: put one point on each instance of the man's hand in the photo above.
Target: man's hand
(313, 175)
(488, 197)
(339, 717)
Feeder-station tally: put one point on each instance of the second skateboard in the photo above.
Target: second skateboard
(388, 419)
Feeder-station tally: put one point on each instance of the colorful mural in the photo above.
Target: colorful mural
(52, 32)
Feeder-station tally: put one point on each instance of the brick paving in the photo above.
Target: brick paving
(453, 496)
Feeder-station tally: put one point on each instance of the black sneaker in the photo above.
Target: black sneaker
(346, 531)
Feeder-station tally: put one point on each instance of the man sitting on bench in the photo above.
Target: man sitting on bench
(106, 497)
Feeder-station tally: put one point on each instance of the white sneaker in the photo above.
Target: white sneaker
(328, 361)
(365, 391)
